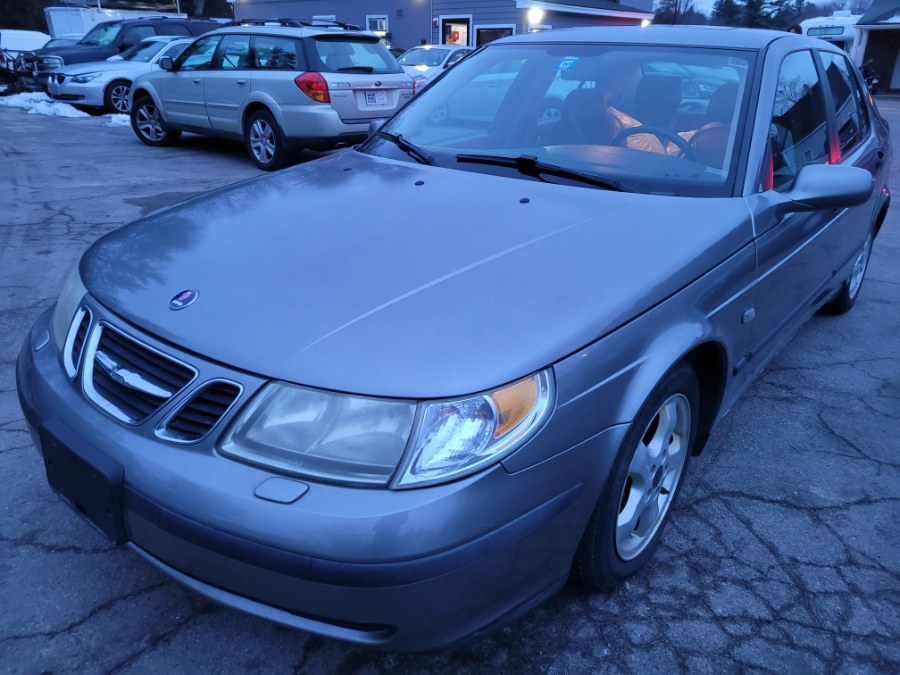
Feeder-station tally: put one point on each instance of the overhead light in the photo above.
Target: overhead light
(535, 15)
(645, 23)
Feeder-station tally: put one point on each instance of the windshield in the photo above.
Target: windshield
(634, 116)
(142, 52)
(102, 34)
(423, 57)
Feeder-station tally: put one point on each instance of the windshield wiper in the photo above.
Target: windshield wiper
(413, 151)
(356, 69)
(532, 166)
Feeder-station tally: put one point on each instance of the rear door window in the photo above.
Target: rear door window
(276, 53)
(137, 33)
(172, 29)
(847, 98)
(798, 131)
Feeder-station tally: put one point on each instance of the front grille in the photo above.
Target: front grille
(201, 412)
(75, 340)
(129, 379)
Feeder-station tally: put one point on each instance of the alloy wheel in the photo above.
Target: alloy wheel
(859, 269)
(118, 96)
(149, 124)
(262, 141)
(653, 476)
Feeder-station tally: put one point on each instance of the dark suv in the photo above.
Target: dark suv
(107, 39)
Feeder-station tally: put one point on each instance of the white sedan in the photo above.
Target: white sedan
(106, 84)
(425, 63)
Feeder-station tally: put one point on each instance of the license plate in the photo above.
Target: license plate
(89, 482)
(376, 98)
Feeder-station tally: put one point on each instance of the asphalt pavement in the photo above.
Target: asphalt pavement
(783, 554)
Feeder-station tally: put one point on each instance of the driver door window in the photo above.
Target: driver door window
(798, 132)
(199, 56)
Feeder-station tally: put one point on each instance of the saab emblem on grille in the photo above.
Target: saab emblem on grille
(183, 299)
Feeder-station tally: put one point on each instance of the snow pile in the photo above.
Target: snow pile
(117, 121)
(38, 103)
(28, 99)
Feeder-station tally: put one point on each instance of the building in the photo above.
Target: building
(406, 23)
(878, 42)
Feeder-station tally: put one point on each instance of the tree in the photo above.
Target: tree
(677, 11)
(726, 13)
(755, 14)
(787, 14)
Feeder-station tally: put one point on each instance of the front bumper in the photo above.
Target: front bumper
(402, 570)
(88, 94)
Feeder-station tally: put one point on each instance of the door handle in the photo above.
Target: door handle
(241, 82)
(880, 159)
(197, 81)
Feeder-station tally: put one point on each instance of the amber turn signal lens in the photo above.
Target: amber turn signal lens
(514, 403)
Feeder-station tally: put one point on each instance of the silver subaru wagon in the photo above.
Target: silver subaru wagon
(276, 87)
(404, 427)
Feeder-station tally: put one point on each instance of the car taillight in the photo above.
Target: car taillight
(314, 86)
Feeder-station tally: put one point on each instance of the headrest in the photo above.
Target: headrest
(658, 91)
(722, 102)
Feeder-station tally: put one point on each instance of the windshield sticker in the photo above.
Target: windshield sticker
(567, 63)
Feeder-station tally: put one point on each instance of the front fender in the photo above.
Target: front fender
(606, 383)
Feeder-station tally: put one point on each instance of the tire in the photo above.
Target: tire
(149, 126)
(846, 297)
(644, 483)
(115, 97)
(265, 141)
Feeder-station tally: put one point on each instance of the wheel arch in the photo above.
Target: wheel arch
(710, 364)
(261, 103)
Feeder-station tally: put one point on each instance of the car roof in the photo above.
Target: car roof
(693, 36)
(294, 31)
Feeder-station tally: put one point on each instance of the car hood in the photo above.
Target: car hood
(77, 53)
(382, 277)
(105, 67)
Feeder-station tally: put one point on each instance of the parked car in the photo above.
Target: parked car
(326, 398)
(106, 84)
(428, 61)
(107, 39)
(14, 43)
(277, 88)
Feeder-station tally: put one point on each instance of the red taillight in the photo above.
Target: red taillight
(314, 86)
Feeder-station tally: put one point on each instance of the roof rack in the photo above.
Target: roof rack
(294, 23)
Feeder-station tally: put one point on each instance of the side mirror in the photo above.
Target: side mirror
(830, 186)
(166, 63)
(375, 125)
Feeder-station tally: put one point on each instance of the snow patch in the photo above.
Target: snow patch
(118, 121)
(56, 110)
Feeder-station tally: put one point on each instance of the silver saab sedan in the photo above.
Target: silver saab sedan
(401, 395)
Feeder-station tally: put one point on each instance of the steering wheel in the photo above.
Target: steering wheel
(662, 134)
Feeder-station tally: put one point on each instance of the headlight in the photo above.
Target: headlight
(72, 293)
(85, 77)
(354, 439)
(460, 437)
(322, 435)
